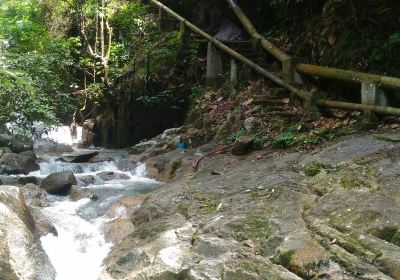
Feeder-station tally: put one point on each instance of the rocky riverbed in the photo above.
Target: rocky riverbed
(332, 213)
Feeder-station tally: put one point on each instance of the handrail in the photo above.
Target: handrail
(310, 99)
(267, 45)
(300, 93)
(314, 70)
(347, 75)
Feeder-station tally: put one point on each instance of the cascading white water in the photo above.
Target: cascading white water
(63, 135)
(80, 247)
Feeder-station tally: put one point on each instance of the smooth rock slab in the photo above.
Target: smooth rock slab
(348, 150)
(21, 254)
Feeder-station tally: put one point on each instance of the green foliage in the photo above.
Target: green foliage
(21, 104)
(38, 68)
(284, 140)
(235, 136)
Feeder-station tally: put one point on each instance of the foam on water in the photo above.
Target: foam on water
(79, 249)
(63, 135)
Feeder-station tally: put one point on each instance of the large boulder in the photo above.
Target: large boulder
(17, 143)
(79, 156)
(59, 183)
(22, 163)
(21, 253)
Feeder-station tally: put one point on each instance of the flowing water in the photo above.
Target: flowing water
(80, 247)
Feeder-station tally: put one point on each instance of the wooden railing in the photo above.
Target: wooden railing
(372, 94)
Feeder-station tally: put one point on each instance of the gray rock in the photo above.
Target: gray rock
(88, 179)
(110, 176)
(34, 196)
(5, 150)
(100, 158)
(141, 147)
(242, 146)
(252, 124)
(79, 157)
(87, 133)
(78, 193)
(22, 163)
(46, 147)
(59, 183)
(17, 143)
(347, 150)
(28, 180)
(21, 253)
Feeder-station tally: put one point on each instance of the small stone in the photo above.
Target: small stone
(110, 176)
(252, 124)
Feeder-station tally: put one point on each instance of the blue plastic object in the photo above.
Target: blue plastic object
(181, 145)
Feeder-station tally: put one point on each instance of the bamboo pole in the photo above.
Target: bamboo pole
(347, 75)
(267, 45)
(358, 107)
(301, 93)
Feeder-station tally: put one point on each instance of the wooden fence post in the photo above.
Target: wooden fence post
(234, 72)
(214, 66)
(372, 94)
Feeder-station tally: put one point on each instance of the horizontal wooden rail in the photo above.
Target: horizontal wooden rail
(347, 75)
(308, 97)
(301, 93)
(358, 107)
(308, 69)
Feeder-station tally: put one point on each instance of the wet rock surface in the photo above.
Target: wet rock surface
(22, 163)
(21, 254)
(59, 183)
(329, 214)
(79, 156)
(111, 175)
(16, 143)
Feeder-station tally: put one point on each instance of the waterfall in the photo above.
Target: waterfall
(80, 247)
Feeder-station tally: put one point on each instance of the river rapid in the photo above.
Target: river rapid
(80, 247)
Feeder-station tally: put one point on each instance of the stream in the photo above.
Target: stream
(80, 247)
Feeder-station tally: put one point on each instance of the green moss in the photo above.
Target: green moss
(208, 204)
(255, 228)
(285, 257)
(313, 169)
(183, 209)
(254, 194)
(350, 183)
